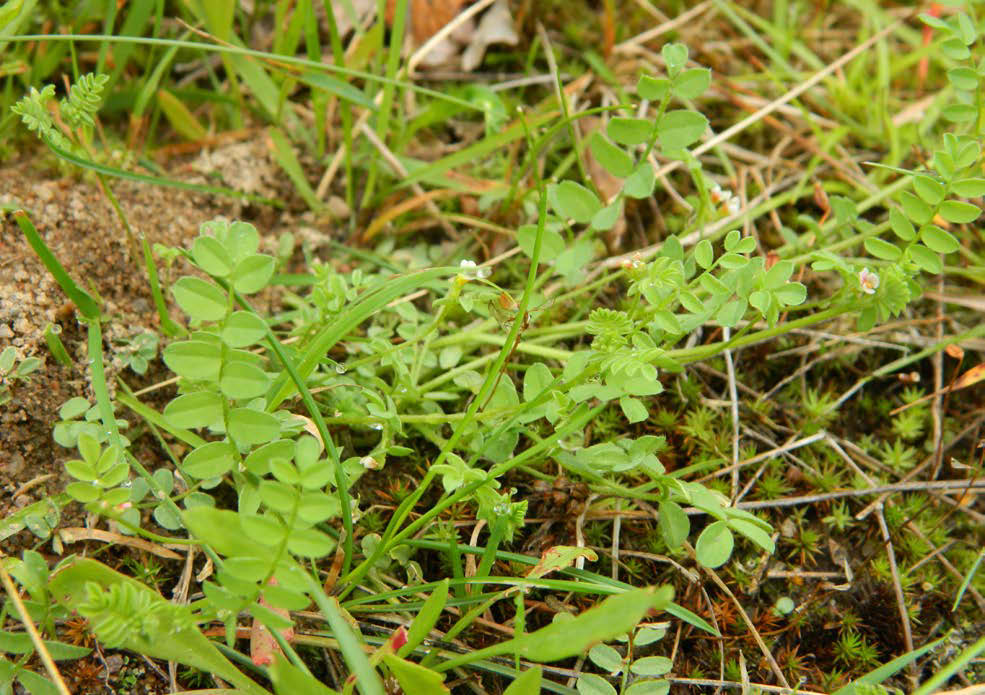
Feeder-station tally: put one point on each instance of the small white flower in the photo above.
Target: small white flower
(483, 272)
(726, 201)
(868, 280)
(468, 271)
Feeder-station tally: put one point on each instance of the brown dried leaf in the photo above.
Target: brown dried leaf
(560, 557)
(972, 376)
(496, 26)
(74, 535)
(263, 645)
(343, 20)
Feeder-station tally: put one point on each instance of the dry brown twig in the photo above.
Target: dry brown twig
(745, 618)
(898, 590)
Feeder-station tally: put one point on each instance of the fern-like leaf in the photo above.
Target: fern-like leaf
(84, 100)
(34, 113)
(123, 611)
(33, 109)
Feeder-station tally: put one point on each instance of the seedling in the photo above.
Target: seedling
(12, 370)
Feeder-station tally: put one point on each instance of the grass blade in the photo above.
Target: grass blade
(82, 299)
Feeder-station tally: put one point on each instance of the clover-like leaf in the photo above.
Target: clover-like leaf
(692, 83)
(791, 294)
(915, 209)
(704, 255)
(959, 212)
(242, 380)
(615, 159)
(925, 258)
(193, 410)
(551, 245)
(674, 524)
(680, 129)
(607, 217)
(242, 329)
(929, 189)
(652, 88)
(641, 181)
(570, 199)
(714, 546)
(882, 249)
(901, 225)
(212, 257)
(938, 239)
(253, 273)
(197, 360)
(629, 131)
(199, 299)
(209, 460)
(249, 426)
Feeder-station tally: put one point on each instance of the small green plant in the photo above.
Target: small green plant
(637, 675)
(840, 516)
(79, 416)
(77, 112)
(817, 409)
(137, 352)
(277, 418)
(852, 650)
(12, 371)
(898, 456)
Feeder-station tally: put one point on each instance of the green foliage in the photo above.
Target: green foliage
(852, 649)
(138, 351)
(77, 110)
(673, 130)
(263, 486)
(636, 675)
(79, 417)
(12, 371)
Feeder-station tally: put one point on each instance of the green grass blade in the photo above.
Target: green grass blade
(966, 582)
(878, 675)
(367, 679)
(82, 299)
(168, 325)
(300, 63)
(288, 161)
(157, 180)
(349, 320)
(941, 677)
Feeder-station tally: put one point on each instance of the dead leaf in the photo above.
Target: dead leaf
(558, 558)
(496, 26)
(263, 645)
(955, 351)
(74, 535)
(972, 376)
(346, 21)
(427, 17)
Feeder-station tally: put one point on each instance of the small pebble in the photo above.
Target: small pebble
(14, 465)
(114, 662)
